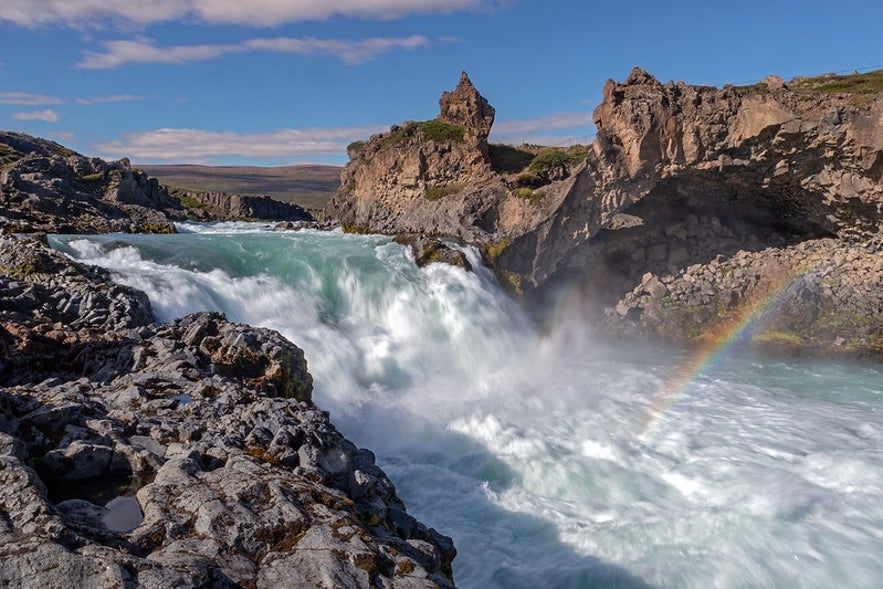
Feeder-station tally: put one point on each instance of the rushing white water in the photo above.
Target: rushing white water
(527, 448)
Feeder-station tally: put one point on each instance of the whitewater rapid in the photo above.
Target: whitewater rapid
(527, 448)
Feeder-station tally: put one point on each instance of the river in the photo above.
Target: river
(553, 459)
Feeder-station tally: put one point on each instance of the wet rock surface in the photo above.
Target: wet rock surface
(233, 477)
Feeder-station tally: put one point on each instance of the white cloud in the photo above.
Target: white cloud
(352, 52)
(27, 98)
(349, 51)
(258, 13)
(111, 98)
(199, 146)
(47, 115)
(143, 51)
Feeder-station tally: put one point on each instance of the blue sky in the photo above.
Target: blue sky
(275, 82)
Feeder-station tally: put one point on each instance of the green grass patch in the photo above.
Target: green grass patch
(439, 192)
(866, 83)
(7, 154)
(534, 196)
(547, 160)
(393, 138)
(436, 130)
(95, 178)
(192, 203)
(759, 88)
(508, 160)
(556, 156)
(778, 338)
(356, 147)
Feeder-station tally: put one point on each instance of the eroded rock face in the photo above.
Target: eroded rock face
(207, 426)
(430, 177)
(775, 166)
(467, 108)
(811, 161)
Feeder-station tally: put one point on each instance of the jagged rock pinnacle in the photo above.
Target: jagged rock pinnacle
(465, 106)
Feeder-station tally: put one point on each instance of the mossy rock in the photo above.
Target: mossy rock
(439, 192)
(157, 228)
(188, 202)
(532, 196)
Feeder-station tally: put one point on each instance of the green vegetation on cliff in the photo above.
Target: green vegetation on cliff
(506, 159)
(431, 130)
(439, 192)
(436, 130)
(8, 155)
(865, 83)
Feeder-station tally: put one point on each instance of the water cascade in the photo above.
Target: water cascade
(531, 449)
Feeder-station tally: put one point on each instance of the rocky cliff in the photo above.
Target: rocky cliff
(691, 205)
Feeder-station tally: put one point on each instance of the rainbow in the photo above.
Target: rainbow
(715, 345)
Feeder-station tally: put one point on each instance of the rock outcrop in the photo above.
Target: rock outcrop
(188, 454)
(434, 177)
(680, 181)
(222, 206)
(794, 162)
(45, 187)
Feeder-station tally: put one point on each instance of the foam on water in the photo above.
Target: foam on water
(522, 446)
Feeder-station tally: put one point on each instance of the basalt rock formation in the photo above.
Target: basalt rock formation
(189, 454)
(691, 205)
(434, 177)
(727, 198)
(206, 205)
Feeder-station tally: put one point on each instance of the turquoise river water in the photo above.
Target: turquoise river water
(531, 449)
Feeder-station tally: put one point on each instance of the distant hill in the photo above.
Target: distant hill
(310, 186)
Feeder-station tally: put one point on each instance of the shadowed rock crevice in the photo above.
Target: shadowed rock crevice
(685, 221)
